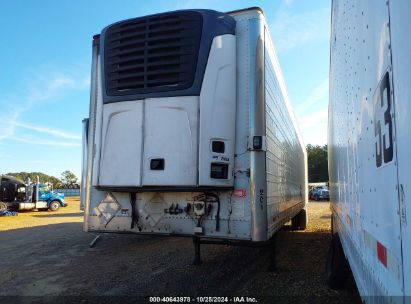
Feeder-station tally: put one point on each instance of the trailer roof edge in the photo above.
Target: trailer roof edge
(253, 8)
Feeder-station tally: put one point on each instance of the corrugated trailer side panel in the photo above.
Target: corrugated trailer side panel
(270, 112)
(362, 153)
(286, 158)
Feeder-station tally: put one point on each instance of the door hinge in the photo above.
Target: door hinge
(403, 212)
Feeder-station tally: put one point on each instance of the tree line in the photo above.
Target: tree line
(68, 179)
(317, 170)
(317, 163)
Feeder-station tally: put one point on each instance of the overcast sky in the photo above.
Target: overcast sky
(45, 69)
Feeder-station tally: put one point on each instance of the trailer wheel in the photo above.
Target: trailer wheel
(299, 221)
(54, 206)
(3, 206)
(337, 267)
(303, 219)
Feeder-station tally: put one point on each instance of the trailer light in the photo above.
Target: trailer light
(257, 142)
(240, 193)
(219, 171)
(218, 146)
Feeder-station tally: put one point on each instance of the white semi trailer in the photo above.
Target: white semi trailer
(191, 130)
(370, 146)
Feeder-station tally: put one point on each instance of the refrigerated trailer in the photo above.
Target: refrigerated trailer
(191, 130)
(369, 145)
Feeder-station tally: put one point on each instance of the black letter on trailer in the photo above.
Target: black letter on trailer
(382, 102)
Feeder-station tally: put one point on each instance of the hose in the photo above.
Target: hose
(217, 217)
(230, 211)
(134, 217)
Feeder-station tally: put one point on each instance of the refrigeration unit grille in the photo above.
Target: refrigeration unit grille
(152, 54)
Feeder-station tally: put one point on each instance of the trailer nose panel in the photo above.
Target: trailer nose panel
(168, 100)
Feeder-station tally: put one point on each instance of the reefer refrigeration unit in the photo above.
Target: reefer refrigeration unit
(370, 147)
(191, 131)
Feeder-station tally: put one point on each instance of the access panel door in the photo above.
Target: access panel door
(170, 141)
(121, 146)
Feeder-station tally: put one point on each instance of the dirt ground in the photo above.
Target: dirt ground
(45, 257)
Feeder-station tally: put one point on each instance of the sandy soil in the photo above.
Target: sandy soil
(45, 257)
(30, 219)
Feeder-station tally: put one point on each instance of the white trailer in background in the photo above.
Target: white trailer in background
(191, 131)
(370, 147)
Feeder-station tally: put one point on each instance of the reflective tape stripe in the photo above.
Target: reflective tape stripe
(382, 254)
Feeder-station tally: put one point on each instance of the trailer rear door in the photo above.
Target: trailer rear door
(400, 12)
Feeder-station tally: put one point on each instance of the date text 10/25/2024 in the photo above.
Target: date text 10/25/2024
(203, 300)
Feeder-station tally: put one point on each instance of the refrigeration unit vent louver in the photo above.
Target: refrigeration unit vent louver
(152, 54)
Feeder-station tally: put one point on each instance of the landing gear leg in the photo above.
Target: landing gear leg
(93, 242)
(272, 250)
(197, 257)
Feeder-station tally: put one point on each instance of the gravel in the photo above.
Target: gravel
(44, 257)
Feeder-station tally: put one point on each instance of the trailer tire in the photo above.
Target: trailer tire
(337, 267)
(303, 219)
(54, 205)
(294, 223)
(3, 206)
(299, 221)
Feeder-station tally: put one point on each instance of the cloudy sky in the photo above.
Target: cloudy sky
(45, 67)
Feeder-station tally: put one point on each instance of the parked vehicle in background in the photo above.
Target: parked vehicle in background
(310, 194)
(318, 191)
(369, 144)
(191, 130)
(16, 195)
(318, 194)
